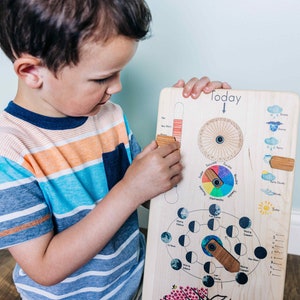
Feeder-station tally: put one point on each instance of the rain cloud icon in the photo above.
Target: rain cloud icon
(274, 125)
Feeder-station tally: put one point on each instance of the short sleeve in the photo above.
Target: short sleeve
(134, 146)
(24, 213)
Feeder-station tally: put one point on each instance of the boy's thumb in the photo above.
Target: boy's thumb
(149, 148)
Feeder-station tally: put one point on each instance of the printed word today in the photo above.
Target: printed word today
(227, 97)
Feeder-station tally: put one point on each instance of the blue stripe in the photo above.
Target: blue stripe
(91, 286)
(11, 171)
(81, 188)
(27, 234)
(14, 199)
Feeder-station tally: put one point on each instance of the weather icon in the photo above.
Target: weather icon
(267, 158)
(267, 176)
(274, 125)
(274, 110)
(268, 192)
(265, 208)
(271, 142)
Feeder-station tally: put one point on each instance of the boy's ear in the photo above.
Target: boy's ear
(28, 68)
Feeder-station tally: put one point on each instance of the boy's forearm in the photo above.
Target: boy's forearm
(51, 258)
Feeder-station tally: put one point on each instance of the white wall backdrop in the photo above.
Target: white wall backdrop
(251, 44)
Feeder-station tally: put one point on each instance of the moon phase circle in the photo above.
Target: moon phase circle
(166, 237)
(176, 264)
(183, 213)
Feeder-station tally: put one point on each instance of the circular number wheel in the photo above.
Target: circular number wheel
(220, 139)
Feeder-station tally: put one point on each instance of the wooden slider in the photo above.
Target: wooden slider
(214, 178)
(230, 263)
(282, 163)
(164, 139)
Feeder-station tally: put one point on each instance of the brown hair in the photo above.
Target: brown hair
(54, 30)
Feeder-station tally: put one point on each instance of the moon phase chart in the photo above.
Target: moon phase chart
(213, 245)
(197, 229)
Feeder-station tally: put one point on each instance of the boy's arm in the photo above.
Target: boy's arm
(50, 258)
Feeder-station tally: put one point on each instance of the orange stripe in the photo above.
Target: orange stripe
(24, 226)
(68, 156)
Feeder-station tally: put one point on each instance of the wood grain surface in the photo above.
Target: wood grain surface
(238, 150)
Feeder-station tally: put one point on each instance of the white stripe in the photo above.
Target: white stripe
(100, 273)
(74, 211)
(22, 213)
(79, 291)
(70, 170)
(10, 184)
(121, 248)
(113, 292)
(57, 297)
(75, 139)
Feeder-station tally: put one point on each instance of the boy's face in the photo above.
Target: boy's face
(81, 90)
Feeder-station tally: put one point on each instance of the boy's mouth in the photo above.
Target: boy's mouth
(104, 99)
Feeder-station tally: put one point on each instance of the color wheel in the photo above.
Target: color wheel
(217, 181)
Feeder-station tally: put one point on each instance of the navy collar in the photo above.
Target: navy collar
(45, 122)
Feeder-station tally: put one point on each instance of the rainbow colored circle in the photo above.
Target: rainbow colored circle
(226, 178)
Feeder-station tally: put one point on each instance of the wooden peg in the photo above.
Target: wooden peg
(164, 139)
(214, 178)
(282, 163)
(230, 263)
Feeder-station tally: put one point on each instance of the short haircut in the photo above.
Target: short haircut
(55, 30)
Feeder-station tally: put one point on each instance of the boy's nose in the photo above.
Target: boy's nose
(115, 86)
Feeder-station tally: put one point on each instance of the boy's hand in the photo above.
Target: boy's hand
(195, 86)
(154, 171)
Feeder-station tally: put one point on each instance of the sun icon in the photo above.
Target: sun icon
(265, 207)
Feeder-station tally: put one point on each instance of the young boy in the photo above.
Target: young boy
(71, 177)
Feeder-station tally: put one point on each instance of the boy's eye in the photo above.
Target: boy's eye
(105, 80)
(101, 81)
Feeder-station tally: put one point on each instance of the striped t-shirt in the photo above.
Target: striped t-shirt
(53, 171)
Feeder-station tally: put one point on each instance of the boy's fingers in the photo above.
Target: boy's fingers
(226, 85)
(167, 149)
(195, 86)
(149, 148)
(216, 85)
(179, 84)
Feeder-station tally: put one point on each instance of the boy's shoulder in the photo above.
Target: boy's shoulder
(17, 134)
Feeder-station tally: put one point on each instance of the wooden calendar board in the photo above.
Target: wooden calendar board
(222, 233)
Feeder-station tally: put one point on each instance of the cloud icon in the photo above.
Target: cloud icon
(267, 158)
(275, 109)
(267, 176)
(271, 141)
(274, 125)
